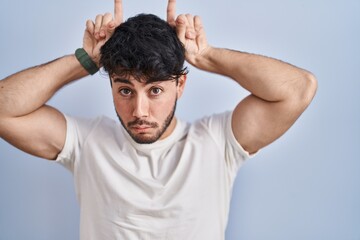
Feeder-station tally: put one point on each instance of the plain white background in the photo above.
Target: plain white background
(306, 185)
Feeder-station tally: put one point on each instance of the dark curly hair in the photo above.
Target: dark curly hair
(146, 48)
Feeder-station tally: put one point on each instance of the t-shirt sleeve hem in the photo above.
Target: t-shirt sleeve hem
(234, 142)
(66, 153)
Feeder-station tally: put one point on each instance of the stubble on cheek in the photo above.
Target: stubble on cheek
(144, 138)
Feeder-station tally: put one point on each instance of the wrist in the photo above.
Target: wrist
(76, 70)
(86, 61)
(203, 60)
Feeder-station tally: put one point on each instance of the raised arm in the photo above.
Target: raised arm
(280, 92)
(25, 121)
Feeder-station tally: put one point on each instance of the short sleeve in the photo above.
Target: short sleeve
(77, 130)
(219, 127)
(235, 153)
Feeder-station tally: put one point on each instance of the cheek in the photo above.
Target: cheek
(122, 108)
(162, 109)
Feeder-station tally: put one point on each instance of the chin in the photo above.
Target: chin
(144, 139)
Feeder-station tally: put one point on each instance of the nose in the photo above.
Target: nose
(141, 107)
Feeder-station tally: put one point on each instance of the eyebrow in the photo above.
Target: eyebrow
(122, 80)
(127, 81)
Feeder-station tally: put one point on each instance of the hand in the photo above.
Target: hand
(96, 34)
(190, 31)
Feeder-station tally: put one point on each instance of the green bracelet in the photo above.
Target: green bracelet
(86, 61)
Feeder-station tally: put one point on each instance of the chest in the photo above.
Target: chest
(178, 191)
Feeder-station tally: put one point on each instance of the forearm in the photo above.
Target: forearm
(266, 78)
(26, 91)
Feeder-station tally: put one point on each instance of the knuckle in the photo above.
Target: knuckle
(107, 14)
(181, 18)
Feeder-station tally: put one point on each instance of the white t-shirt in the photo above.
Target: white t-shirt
(178, 188)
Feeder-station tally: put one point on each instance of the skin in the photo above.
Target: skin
(146, 110)
(279, 91)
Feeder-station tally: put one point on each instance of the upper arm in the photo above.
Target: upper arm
(257, 122)
(41, 133)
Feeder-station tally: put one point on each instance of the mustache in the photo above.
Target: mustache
(141, 122)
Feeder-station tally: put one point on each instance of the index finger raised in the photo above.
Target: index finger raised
(118, 12)
(171, 12)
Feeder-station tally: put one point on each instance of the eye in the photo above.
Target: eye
(155, 91)
(125, 92)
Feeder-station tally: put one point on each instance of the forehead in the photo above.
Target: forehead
(130, 80)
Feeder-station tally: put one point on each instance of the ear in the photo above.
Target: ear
(181, 85)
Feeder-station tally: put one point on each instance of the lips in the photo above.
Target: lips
(141, 128)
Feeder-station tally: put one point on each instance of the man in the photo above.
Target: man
(152, 176)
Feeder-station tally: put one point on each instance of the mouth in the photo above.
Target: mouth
(141, 125)
(141, 128)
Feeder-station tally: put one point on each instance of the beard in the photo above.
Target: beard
(141, 138)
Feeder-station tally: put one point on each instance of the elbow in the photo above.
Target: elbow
(311, 85)
(306, 90)
(2, 128)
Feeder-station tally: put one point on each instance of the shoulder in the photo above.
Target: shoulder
(218, 127)
(214, 122)
(211, 127)
(83, 127)
(90, 122)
